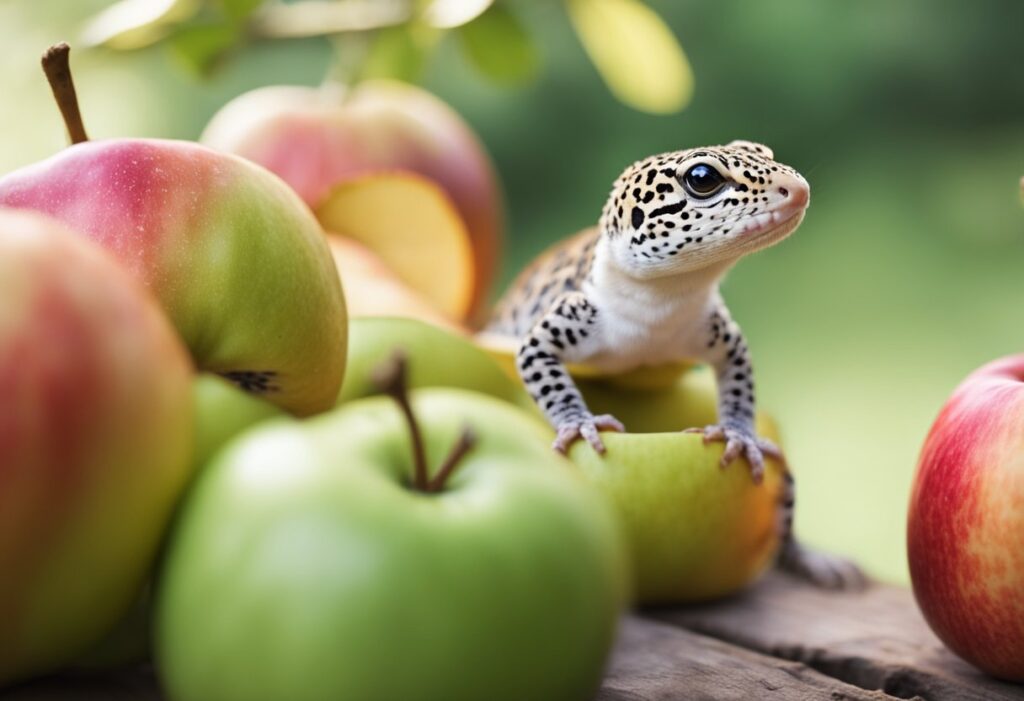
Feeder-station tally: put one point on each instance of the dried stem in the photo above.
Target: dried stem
(57, 66)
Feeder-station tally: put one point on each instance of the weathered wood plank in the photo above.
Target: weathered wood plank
(658, 662)
(875, 639)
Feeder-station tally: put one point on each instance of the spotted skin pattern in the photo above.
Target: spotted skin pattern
(641, 289)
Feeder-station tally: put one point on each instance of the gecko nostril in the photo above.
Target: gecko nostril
(784, 192)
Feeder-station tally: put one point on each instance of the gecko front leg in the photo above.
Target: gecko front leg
(559, 335)
(728, 353)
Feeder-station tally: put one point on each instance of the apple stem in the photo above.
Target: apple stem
(392, 381)
(391, 378)
(467, 439)
(57, 67)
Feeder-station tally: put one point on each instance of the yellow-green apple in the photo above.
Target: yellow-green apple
(320, 560)
(315, 138)
(95, 440)
(411, 225)
(372, 289)
(503, 349)
(238, 262)
(696, 530)
(437, 358)
(965, 535)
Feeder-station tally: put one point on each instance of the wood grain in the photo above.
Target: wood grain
(658, 662)
(875, 639)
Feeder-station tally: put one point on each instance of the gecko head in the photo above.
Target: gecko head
(701, 208)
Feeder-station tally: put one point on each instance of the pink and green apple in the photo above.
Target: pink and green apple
(312, 562)
(316, 138)
(95, 441)
(965, 535)
(238, 262)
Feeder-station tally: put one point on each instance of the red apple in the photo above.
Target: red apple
(95, 440)
(965, 537)
(315, 138)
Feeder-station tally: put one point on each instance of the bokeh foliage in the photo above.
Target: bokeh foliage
(907, 118)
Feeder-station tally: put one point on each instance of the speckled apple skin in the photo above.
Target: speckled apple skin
(316, 138)
(95, 440)
(237, 260)
(965, 535)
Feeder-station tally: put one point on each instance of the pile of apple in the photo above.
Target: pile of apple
(192, 425)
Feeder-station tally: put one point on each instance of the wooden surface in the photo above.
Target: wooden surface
(780, 640)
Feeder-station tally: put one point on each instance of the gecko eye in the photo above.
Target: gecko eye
(703, 181)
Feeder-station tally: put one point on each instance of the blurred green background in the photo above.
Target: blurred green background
(906, 117)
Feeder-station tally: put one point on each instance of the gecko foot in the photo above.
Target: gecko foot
(587, 427)
(821, 569)
(739, 442)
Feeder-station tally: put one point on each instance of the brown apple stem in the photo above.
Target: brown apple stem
(57, 67)
(467, 439)
(391, 378)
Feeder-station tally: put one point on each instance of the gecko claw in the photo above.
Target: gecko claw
(586, 427)
(741, 443)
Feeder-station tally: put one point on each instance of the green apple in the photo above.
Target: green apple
(222, 411)
(438, 358)
(312, 562)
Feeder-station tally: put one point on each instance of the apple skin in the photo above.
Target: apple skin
(238, 262)
(95, 433)
(302, 567)
(315, 138)
(697, 531)
(437, 358)
(965, 535)
(222, 411)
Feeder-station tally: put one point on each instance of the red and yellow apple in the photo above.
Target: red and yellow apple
(316, 138)
(95, 441)
(965, 535)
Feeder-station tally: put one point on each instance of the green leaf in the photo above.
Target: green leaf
(133, 24)
(201, 47)
(635, 52)
(500, 47)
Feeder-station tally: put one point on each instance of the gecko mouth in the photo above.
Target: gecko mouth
(774, 224)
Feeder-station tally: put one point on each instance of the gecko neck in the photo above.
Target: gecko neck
(693, 287)
(611, 271)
